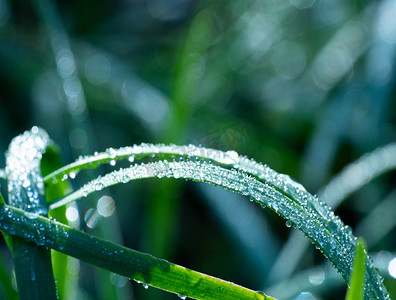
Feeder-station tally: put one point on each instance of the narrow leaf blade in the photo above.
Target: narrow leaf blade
(121, 260)
(356, 289)
(33, 268)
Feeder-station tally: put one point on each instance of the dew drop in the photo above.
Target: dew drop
(72, 175)
(145, 285)
(289, 223)
(138, 149)
(26, 183)
(183, 297)
(111, 152)
(31, 215)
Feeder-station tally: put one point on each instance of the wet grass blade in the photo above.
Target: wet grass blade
(33, 268)
(268, 188)
(356, 286)
(121, 260)
(348, 181)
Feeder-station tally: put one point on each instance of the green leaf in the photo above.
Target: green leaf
(356, 286)
(121, 260)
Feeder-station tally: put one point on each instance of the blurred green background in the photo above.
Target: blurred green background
(305, 86)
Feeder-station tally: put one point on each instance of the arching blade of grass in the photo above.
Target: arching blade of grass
(268, 188)
(350, 179)
(144, 150)
(121, 260)
(379, 222)
(356, 285)
(33, 268)
(358, 173)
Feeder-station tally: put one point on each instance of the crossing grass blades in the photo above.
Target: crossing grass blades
(31, 233)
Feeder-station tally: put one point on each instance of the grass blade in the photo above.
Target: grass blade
(33, 268)
(5, 281)
(358, 173)
(356, 289)
(379, 222)
(349, 180)
(66, 280)
(121, 260)
(268, 188)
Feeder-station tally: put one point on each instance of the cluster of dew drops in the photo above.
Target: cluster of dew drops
(25, 183)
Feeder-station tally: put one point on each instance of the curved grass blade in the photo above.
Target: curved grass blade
(279, 192)
(121, 260)
(33, 268)
(356, 289)
(349, 180)
(280, 182)
(379, 222)
(138, 152)
(358, 173)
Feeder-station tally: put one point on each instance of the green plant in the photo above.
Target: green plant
(31, 233)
